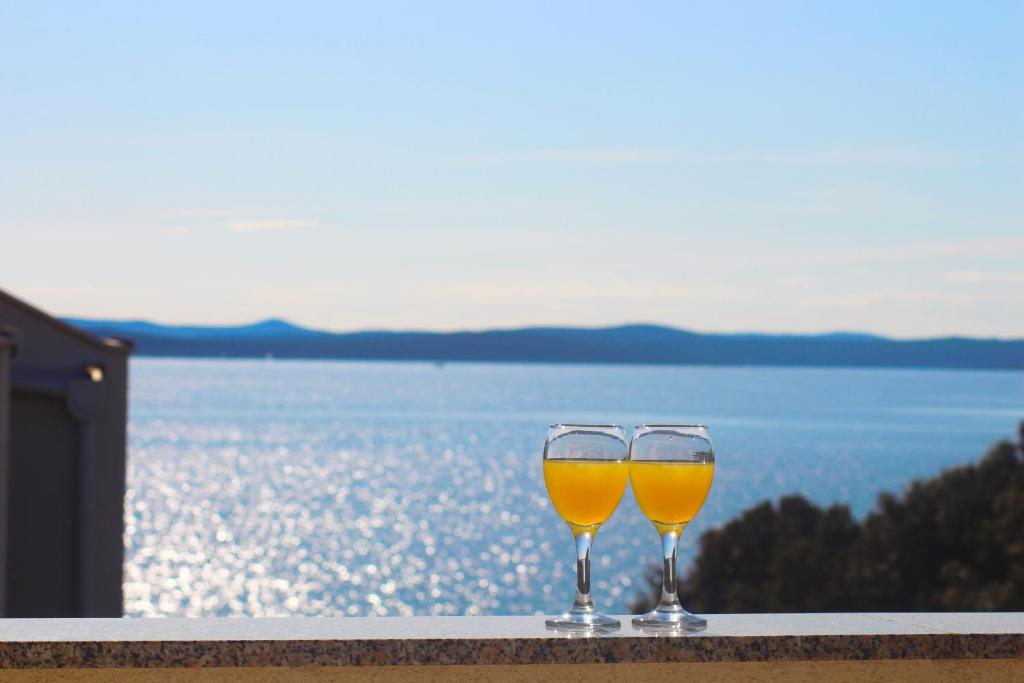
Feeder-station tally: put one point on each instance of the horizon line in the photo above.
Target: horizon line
(539, 326)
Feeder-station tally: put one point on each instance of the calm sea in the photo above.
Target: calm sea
(338, 488)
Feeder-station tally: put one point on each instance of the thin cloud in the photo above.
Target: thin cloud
(839, 156)
(830, 156)
(565, 156)
(987, 277)
(779, 256)
(515, 291)
(897, 298)
(174, 230)
(269, 225)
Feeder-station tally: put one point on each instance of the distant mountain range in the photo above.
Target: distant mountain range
(624, 344)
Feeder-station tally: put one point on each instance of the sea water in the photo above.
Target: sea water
(346, 488)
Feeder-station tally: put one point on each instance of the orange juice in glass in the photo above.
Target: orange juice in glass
(671, 468)
(586, 469)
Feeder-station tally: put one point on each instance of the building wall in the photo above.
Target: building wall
(66, 447)
(5, 349)
(42, 535)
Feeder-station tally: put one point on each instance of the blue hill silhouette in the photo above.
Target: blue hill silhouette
(622, 344)
(272, 327)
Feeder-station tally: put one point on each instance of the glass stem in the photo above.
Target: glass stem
(583, 602)
(669, 586)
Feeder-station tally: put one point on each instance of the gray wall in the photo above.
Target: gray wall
(66, 474)
(5, 367)
(42, 536)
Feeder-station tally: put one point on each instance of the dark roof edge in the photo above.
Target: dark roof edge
(107, 344)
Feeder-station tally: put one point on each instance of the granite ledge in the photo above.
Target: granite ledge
(364, 641)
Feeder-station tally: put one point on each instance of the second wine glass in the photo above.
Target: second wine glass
(670, 468)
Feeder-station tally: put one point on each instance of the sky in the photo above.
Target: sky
(743, 166)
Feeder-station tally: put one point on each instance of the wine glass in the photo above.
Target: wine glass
(586, 469)
(670, 468)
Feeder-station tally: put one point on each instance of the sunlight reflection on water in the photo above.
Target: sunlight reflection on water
(284, 488)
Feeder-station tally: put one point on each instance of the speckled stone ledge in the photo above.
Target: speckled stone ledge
(295, 642)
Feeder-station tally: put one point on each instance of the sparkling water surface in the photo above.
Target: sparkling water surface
(341, 488)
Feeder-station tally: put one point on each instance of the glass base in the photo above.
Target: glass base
(583, 621)
(669, 620)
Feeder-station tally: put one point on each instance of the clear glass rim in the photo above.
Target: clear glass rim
(562, 425)
(666, 426)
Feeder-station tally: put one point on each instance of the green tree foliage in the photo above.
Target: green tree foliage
(951, 543)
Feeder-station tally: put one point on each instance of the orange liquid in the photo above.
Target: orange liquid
(670, 493)
(585, 493)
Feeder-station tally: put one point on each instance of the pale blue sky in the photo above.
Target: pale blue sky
(772, 166)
